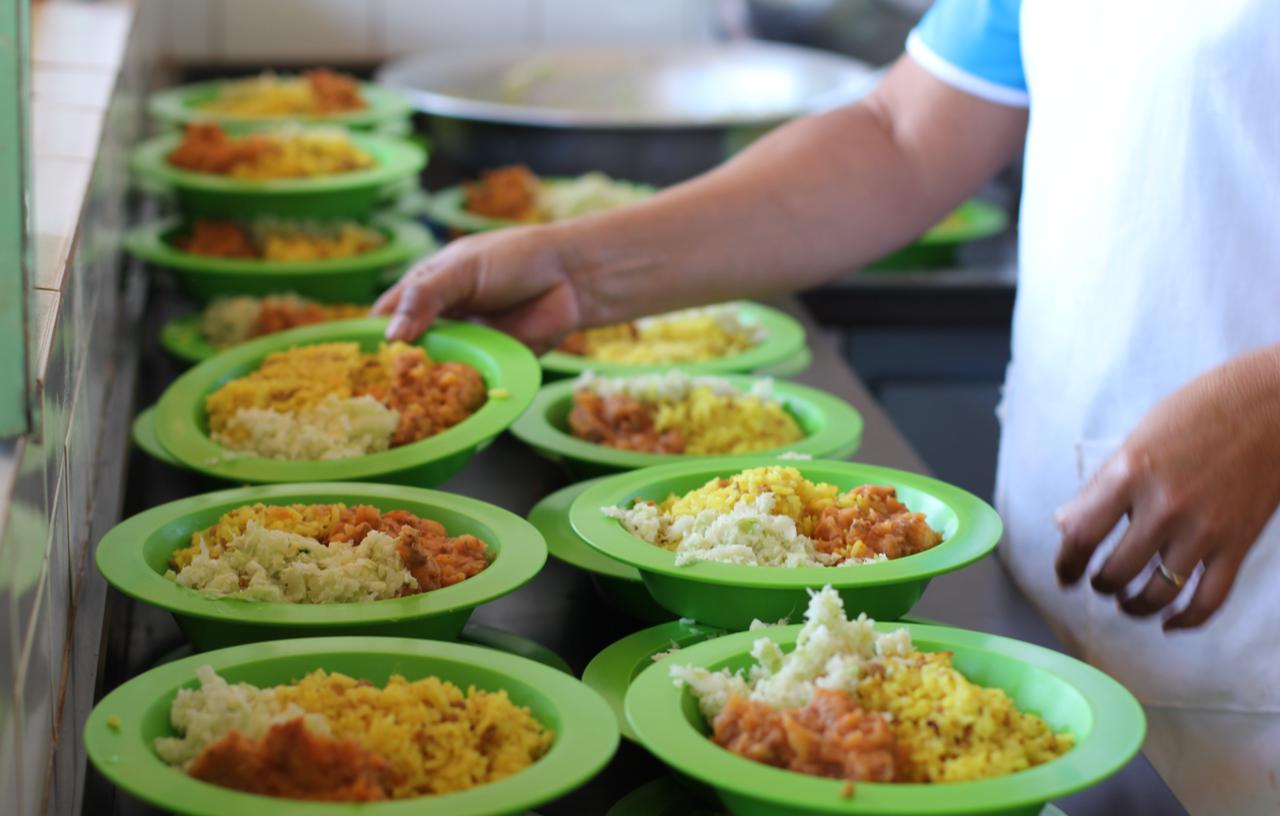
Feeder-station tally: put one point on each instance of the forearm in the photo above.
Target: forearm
(816, 198)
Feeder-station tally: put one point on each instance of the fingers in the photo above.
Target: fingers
(436, 285)
(1086, 519)
(1139, 543)
(1181, 558)
(1215, 584)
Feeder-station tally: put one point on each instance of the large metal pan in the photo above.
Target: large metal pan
(645, 113)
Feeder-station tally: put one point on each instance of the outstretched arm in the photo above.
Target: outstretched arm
(812, 199)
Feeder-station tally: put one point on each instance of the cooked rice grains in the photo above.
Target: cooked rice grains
(324, 553)
(774, 517)
(278, 154)
(333, 401)
(685, 336)
(677, 413)
(331, 737)
(851, 703)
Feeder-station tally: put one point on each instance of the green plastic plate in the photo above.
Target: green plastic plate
(585, 737)
(358, 279)
(448, 208)
(832, 429)
(503, 362)
(144, 436)
(1104, 717)
(671, 796)
(618, 583)
(972, 221)
(611, 672)
(181, 106)
(784, 338)
(133, 557)
(342, 195)
(732, 595)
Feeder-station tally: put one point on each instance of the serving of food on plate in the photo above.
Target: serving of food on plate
(850, 702)
(773, 516)
(279, 154)
(269, 239)
(334, 401)
(318, 92)
(324, 553)
(513, 195)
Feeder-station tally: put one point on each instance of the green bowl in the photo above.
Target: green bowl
(783, 340)
(134, 555)
(731, 596)
(179, 106)
(585, 736)
(611, 672)
(358, 279)
(1105, 719)
(503, 362)
(620, 585)
(343, 195)
(448, 208)
(972, 221)
(671, 796)
(832, 430)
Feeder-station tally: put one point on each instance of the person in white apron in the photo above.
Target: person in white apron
(1145, 381)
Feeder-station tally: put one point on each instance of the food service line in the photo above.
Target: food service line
(560, 608)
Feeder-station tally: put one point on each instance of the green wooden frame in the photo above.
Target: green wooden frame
(18, 340)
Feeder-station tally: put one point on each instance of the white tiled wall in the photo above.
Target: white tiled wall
(347, 31)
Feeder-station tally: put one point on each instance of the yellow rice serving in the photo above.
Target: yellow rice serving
(884, 711)
(686, 336)
(415, 737)
(677, 413)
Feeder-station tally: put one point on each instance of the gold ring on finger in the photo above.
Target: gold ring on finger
(1174, 579)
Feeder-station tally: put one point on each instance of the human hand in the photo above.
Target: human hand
(514, 280)
(1198, 479)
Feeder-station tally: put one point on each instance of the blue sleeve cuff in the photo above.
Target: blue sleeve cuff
(974, 46)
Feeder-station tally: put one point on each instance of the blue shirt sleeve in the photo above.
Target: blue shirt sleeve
(973, 45)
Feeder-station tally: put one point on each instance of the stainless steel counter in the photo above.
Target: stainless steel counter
(561, 610)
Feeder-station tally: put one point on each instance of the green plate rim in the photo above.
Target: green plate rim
(395, 158)
(1119, 727)
(408, 240)
(173, 106)
(610, 672)
(785, 336)
(178, 428)
(982, 219)
(119, 559)
(551, 517)
(124, 757)
(838, 438)
(144, 436)
(978, 527)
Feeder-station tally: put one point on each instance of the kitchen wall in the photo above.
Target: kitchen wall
(360, 31)
(61, 484)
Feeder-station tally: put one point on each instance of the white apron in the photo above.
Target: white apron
(1150, 252)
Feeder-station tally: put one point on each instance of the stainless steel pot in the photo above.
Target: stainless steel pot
(651, 114)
